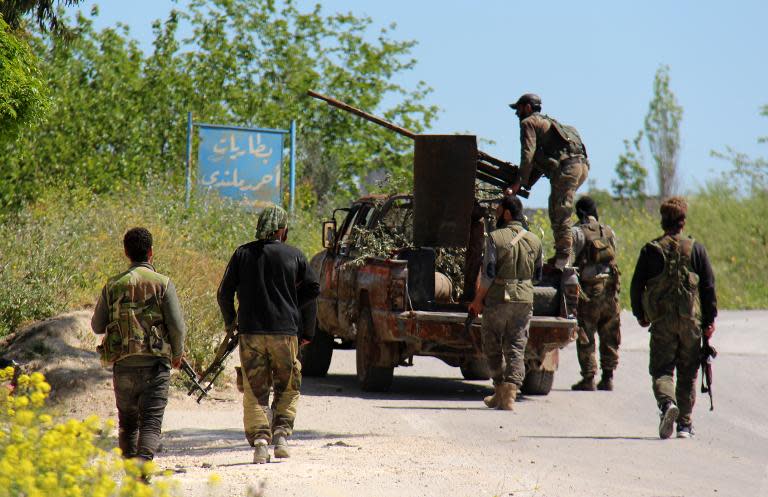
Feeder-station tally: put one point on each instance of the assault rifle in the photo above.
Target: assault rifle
(489, 169)
(708, 354)
(226, 347)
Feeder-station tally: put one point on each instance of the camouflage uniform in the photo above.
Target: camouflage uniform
(269, 360)
(139, 314)
(273, 283)
(545, 151)
(511, 257)
(599, 309)
(673, 283)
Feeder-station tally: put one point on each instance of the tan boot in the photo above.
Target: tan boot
(492, 401)
(508, 393)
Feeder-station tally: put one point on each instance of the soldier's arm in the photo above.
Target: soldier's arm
(100, 318)
(579, 241)
(308, 286)
(527, 151)
(707, 295)
(174, 321)
(637, 287)
(226, 293)
(485, 277)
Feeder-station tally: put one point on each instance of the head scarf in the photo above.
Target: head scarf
(271, 219)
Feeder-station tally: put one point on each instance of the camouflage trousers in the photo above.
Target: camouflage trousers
(675, 345)
(599, 316)
(504, 337)
(564, 185)
(269, 361)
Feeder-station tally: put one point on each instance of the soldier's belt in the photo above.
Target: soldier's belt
(502, 281)
(572, 160)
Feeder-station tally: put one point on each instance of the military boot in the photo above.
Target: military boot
(508, 393)
(260, 452)
(587, 384)
(281, 446)
(492, 401)
(606, 382)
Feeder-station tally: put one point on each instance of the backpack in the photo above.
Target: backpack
(569, 136)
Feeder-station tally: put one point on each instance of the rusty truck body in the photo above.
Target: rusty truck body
(387, 309)
(393, 306)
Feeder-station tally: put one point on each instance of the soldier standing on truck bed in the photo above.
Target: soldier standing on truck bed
(556, 151)
(594, 249)
(512, 259)
(139, 314)
(673, 291)
(273, 281)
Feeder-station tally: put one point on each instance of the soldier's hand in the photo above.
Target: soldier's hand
(176, 363)
(475, 308)
(709, 331)
(512, 189)
(644, 323)
(304, 342)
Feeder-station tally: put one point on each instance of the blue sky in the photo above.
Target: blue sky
(592, 62)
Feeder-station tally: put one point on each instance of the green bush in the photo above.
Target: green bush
(59, 252)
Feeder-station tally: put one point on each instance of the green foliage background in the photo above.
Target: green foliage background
(110, 155)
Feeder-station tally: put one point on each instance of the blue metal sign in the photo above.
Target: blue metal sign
(241, 163)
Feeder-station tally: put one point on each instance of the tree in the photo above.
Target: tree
(121, 114)
(23, 94)
(749, 175)
(630, 172)
(662, 128)
(44, 12)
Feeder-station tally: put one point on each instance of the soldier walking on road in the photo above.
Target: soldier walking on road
(556, 151)
(594, 249)
(139, 314)
(673, 291)
(512, 259)
(274, 284)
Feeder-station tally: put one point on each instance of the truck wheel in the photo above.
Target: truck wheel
(475, 369)
(371, 378)
(316, 356)
(538, 382)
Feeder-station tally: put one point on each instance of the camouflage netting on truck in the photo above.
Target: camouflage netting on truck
(386, 240)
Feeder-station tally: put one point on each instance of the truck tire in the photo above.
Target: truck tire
(538, 382)
(475, 369)
(545, 301)
(371, 378)
(316, 356)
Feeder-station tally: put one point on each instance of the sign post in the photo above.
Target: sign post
(241, 163)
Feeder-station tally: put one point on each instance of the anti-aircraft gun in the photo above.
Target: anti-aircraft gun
(490, 170)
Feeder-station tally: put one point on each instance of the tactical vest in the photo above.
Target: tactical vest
(516, 252)
(598, 246)
(136, 324)
(675, 291)
(565, 143)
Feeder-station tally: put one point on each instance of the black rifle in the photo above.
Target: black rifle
(226, 347)
(708, 354)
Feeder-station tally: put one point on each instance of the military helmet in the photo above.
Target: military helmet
(528, 98)
(271, 219)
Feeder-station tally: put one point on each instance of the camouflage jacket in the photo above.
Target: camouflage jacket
(541, 149)
(170, 309)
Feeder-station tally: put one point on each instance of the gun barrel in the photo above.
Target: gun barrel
(365, 115)
(496, 172)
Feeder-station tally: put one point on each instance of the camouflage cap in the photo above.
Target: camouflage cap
(528, 98)
(271, 219)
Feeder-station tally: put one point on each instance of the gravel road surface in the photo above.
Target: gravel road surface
(432, 436)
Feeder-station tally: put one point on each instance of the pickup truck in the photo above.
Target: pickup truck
(394, 307)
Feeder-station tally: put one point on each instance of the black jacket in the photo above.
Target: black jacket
(651, 263)
(272, 281)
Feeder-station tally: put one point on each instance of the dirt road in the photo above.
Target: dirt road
(432, 436)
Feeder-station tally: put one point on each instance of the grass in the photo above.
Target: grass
(58, 253)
